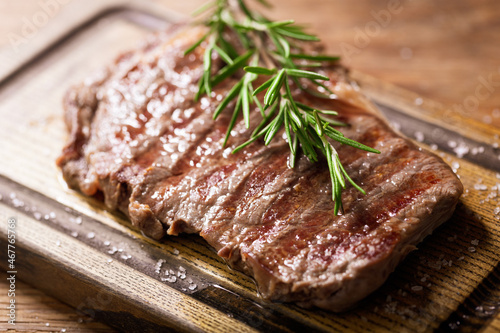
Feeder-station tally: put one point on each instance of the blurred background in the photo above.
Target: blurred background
(446, 51)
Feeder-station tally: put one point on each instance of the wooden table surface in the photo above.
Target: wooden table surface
(448, 51)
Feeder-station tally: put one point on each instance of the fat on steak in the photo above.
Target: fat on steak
(140, 141)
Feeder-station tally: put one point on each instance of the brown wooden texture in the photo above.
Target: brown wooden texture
(442, 50)
(433, 31)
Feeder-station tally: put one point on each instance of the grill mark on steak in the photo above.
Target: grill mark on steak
(138, 136)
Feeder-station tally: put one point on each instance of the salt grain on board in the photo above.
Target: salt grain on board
(480, 187)
(158, 266)
(170, 279)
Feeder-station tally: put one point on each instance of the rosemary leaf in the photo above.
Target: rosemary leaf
(318, 57)
(229, 97)
(260, 70)
(223, 55)
(297, 34)
(264, 86)
(272, 49)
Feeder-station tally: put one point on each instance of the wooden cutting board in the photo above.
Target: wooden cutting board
(72, 248)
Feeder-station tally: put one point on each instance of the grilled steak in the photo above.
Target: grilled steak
(138, 137)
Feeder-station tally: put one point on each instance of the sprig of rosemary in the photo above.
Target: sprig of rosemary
(275, 45)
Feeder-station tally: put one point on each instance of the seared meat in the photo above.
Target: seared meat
(138, 136)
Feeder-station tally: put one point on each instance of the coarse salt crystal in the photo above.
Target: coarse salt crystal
(37, 215)
(170, 279)
(91, 235)
(475, 242)
(419, 136)
(480, 187)
(472, 249)
(461, 150)
(107, 243)
(74, 234)
(397, 126)
(417, 288)
(17, 203)
(192, 287)
(158, 266)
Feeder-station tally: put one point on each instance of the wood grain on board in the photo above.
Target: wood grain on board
(434, 50)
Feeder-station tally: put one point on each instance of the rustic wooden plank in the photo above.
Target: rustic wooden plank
(37, 312)
(108, 288)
